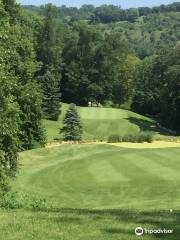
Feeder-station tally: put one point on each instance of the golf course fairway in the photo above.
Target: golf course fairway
(97, 191)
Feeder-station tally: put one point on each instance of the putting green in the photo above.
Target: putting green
(99, 123)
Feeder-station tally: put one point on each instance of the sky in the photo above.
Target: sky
(78, 3)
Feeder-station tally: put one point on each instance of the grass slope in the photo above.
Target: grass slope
(99, 123)
(98, 191)
(102, 176)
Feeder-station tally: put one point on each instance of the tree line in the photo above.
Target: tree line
(106, 13)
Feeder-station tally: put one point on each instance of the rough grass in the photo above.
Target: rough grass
(96, 191)
(82, 224)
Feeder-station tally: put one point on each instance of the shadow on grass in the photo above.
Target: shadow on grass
(143, 124)
(67, 219)
(146, 125)
(129, 218)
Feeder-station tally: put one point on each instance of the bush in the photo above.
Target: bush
(136, 138)
(15, 200)
(114, 139)
(145, 137)
(4, 183)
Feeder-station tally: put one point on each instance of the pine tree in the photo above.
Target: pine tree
(49, 52)
(72, 129)
(51, 105)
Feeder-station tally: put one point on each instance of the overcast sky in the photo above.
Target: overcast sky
(78, 3)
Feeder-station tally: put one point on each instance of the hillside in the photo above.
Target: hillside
(96, 191)
(149, 34)
(99, 123)
(145, 30)
(102, 176)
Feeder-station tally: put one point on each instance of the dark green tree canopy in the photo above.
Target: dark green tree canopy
(51, 96)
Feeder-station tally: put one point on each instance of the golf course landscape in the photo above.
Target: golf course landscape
(97, 190)
(89, 120)
(100, 123)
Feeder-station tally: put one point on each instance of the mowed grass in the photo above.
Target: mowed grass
(97, 191)
(99, 123)
(102, 176)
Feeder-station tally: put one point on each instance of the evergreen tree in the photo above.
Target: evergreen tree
(51, 105)
(72, 129)
(49, 52)
(30, 101)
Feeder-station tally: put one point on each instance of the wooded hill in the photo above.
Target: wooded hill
(146, 30)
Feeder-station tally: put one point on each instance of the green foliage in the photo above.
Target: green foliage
(51, 105)
(168, 64)
(157, 88)
(4, 182)
(136, 138)
(72, 127)
(104, 13)
(9, 120)
(15, 200)
(17, 69)
(49, 52)
(49, 48)
(31, 127)
(93, 62)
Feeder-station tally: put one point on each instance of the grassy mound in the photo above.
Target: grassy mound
(99, 123)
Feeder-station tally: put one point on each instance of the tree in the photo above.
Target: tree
(168, 63)
(124, 85)
(9, 109)
(19, 60)
(72, 129)
(147, 90)
(158, 87)
(9, 123)
(51, 105)
(32, 130)
(49, 49)
(93, 62)
(49, 52)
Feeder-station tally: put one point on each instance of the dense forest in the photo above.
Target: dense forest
(104, 55)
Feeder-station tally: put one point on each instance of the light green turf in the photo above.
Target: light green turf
(99, 192)
(99, 123)
(102, 176)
